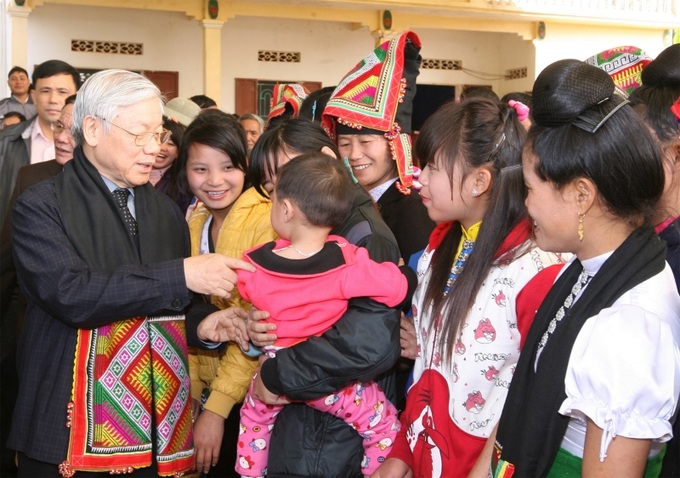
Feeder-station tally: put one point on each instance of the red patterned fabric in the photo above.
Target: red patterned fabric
(624, 64)
(284, 94)
(370, 96)
(129, 377)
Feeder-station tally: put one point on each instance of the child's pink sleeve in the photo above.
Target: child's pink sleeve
(382, 282)
(242, 283)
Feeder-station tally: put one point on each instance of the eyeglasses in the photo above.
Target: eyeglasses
(57, 127)
(143, 139)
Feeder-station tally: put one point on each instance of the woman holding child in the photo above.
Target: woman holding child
(363, 345)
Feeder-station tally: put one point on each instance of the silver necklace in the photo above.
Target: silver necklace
(305, 254)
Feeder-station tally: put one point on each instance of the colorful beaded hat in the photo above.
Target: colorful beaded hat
(624, 64)
(376, 97)
(287, 96)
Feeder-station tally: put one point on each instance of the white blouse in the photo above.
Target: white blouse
(624, 368)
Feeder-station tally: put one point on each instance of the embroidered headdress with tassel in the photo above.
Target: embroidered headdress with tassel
(376, 97)
(286, 99)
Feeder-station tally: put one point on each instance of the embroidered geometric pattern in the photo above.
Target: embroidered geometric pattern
(581, 282)
(171, 384)
(125, 372)
(371, 89)
(624, 64)
(370, 95)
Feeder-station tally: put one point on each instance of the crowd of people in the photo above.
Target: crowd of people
(316, 294)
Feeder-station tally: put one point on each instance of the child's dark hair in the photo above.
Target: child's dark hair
(320, 186)
(477, 132)
(220, 131)
(296, 135)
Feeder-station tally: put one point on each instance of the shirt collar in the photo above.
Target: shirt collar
(36, 132)
(112, 186)
(377, 192)
(471, 233)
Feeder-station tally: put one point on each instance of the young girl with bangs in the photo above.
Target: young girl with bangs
(469, 314)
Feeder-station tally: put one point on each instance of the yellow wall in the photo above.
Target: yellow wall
(209, 55)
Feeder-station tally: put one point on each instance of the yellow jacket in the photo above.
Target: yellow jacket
(247, 225)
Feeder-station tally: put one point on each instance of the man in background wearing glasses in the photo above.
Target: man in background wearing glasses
(103, 259)
(31, 142)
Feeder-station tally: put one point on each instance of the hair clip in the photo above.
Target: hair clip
(314, 110)
(675, 108)
(507, 169)
(496, 147)
(521, 109)
(592, 125)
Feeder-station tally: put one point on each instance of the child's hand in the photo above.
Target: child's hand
(258, 331)
(226, 325)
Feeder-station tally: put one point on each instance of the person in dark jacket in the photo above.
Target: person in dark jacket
(362, 345)
(372, 129)
(12, 301)
(31, 142)
(658, 102)
(103, 261)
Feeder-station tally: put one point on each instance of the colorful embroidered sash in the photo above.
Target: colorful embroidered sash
(131, 383)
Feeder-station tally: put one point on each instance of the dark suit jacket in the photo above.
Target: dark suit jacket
(407, 218)
(15, 152)
(12, 303)
(63, 295)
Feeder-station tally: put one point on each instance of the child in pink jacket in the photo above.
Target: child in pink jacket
(305, 280)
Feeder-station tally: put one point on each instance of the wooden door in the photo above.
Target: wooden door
(166, 81)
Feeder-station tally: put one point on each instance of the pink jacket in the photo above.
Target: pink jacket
(306, 297)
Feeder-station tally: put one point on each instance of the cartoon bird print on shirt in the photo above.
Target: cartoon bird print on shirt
(475, 402)
(485, 333)
(245, 462)
(500, 298)
(460, 347)
(379, 408)
(491, 374)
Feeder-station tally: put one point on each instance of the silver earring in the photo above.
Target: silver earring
(475, 193)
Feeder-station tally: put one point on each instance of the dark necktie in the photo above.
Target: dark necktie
(120, 196)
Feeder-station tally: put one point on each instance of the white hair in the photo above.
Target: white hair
(105, 92)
